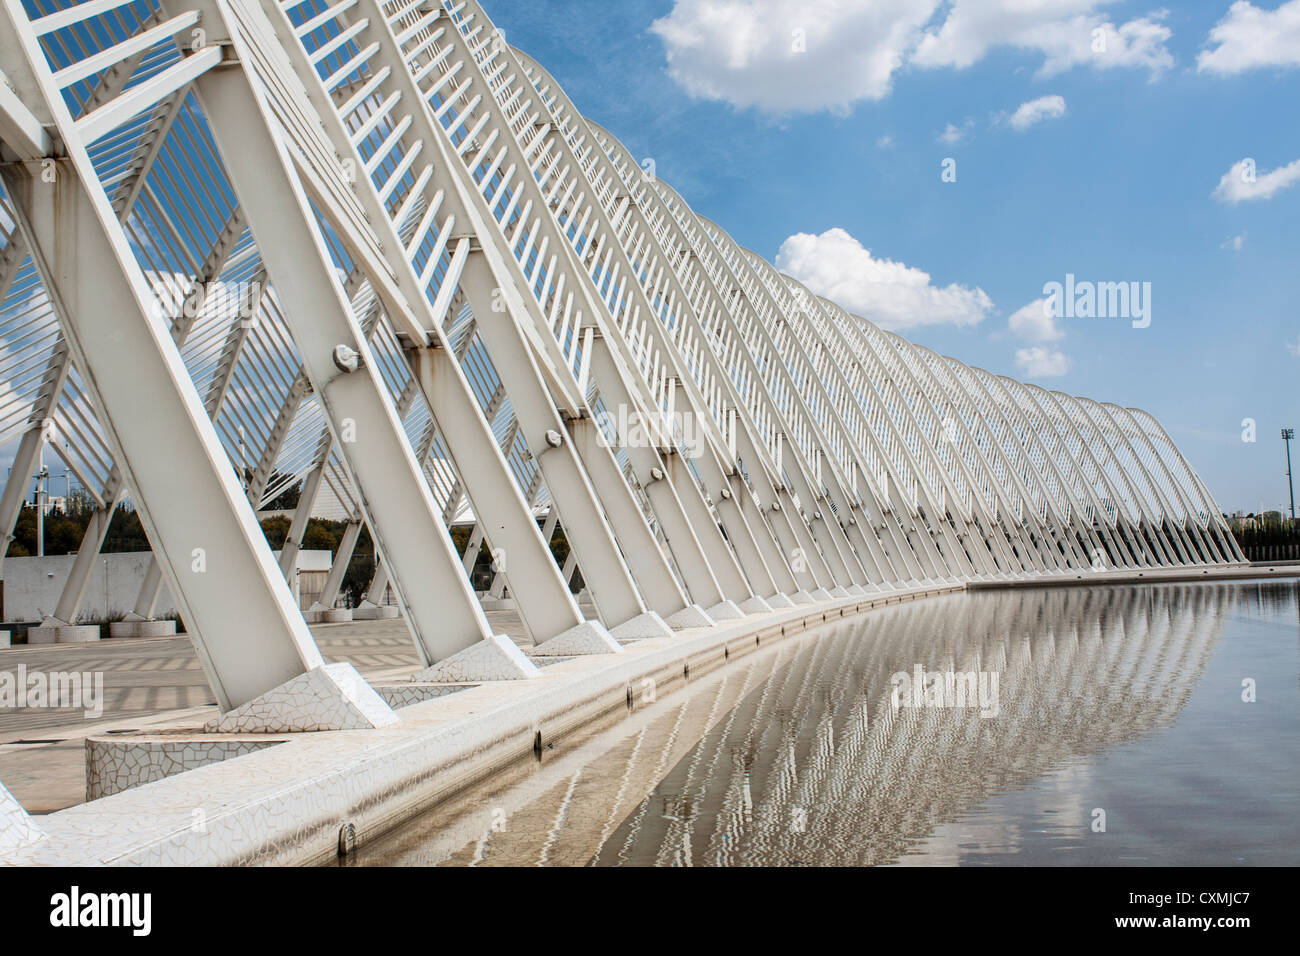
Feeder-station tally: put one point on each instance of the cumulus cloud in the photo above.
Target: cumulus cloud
(1244, 182)
(1042, 362)
(891, 294)
(1035, 323)
(790, 56)
(1248, 38)
(1067, 33)
(1035, 111)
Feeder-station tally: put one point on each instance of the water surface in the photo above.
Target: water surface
(1118, 735)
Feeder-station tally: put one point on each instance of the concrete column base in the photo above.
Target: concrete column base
(838, 592)
(493, 658)
(375, 612)
(802, 597)
(725, 611)
(643, 627)
(332, 697)
(328, 615)
(755, 605)
(142, 628)
(779, 601)
(821, 594)
(16, 827)
(56, 632)
(690, 616)
(589, 637)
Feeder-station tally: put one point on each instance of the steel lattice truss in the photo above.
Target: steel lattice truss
(369, 248)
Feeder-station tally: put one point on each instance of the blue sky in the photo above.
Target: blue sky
(1088, 137)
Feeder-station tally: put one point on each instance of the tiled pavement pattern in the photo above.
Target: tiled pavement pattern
(147, 681)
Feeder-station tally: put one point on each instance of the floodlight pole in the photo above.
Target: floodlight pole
(1287, 435)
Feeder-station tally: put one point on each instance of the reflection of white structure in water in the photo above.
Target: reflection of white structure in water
(822, 774)
(795, 753)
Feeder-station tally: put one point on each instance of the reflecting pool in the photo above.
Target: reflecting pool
(1152, 725)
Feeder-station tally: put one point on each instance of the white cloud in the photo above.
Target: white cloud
(891, 294)
(1248, 38)
(749, 53)
(953, 134)
(789, 56)
(1066, 32)
(1035, 111)
(885, 142)
(1294, 347)
(1235, 243)
(1035, 323)
(1042, 362)
(1244, 182)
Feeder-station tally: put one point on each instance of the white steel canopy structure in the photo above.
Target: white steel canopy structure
(368, 248)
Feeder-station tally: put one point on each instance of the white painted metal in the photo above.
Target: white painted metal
(390, 177)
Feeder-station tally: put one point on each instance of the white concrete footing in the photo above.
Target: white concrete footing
(821, 594)
(779, 601)
(755, 605)
(52, 631)
(135, 626)
(16, 827)
(319, 614)
(690, 616)
(642, 627)
(725, 611)
(331, 697)
(839, 592)
(589, 637)
(493, 658)
(802, 597)
(367, 611)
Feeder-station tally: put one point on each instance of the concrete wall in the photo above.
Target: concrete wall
(32, 585)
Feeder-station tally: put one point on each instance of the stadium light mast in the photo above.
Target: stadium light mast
(1287, 435)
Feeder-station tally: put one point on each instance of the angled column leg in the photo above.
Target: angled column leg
(545, 605)
(444, 616)
(339, 567)
(151, 413)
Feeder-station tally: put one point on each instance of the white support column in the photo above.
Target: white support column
(20, 476)
(589, 519)
(441, 610)
(74, 589)
(151, 413)
(301, 515)
(545, 604)
(339, 567)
